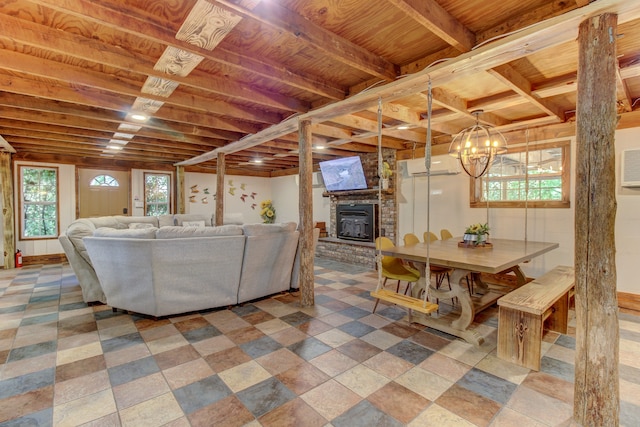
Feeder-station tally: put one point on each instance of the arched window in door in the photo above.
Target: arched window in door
(104, 181)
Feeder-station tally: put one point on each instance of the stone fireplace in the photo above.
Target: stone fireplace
(361, 251)
(357, 221)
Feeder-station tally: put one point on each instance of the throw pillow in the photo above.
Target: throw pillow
(193, 223)
(141, 225)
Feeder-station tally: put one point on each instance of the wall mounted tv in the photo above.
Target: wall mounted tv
(342, 174)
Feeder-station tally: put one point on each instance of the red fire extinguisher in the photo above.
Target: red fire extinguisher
(18, 259)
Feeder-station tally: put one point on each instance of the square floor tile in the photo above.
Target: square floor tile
(201, 393)
(265, 396)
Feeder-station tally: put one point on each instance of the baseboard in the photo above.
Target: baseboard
(44, 259)
(629, 301)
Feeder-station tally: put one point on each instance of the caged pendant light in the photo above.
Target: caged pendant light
(477, 146)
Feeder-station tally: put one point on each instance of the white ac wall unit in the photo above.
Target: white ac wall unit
(316, 180)
(630, 168)
(440, 165)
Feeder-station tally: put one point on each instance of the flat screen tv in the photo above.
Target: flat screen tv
(342, 174)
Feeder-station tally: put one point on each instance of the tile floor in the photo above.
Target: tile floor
(271, 363)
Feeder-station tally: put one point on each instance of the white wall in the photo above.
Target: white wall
(286, 194)
(627, 219)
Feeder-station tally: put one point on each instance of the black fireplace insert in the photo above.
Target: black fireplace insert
(357, 221)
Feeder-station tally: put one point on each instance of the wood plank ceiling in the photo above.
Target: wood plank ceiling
(209, 73)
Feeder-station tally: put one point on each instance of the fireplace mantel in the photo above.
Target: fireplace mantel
(355, 192)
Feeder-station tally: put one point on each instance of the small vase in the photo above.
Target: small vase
(470, 238)
(384, 182)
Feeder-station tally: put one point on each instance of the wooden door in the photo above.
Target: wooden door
(103, 193)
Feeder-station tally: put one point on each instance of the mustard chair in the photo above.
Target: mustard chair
(410, 239)
(393, 268)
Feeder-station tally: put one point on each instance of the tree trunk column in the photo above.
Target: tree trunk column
(596, 398)
(306, 214)
(220, 171)
(8, 222)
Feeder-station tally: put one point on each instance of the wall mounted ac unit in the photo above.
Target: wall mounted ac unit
(316, 180)
(630, 168)
(440, 165)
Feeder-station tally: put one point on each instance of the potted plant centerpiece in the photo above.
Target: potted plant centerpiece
(476, 234)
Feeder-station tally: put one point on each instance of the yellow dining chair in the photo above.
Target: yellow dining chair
(410, 239)
(393, 268)
(445, 234)
(429, 236)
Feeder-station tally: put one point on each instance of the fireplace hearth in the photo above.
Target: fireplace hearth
(357, 221)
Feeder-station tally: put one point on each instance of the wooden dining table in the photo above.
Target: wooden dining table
(501, 256)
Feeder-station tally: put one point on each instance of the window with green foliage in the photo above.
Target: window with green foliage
(534, 177)
(39, 202)
(104, 181)
(157, 194)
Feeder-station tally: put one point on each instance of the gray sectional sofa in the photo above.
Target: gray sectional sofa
(161, 266)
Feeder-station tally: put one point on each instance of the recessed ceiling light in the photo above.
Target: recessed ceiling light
(257, 160)
(114, 147)
(404, 127)
(319, 147)
(139, 117)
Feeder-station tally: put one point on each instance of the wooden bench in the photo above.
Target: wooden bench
(523, 313)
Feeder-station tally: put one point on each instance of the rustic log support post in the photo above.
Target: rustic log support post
(8, 221)
(306, 214)
(596, 397)
(180, 189)
(220, 171)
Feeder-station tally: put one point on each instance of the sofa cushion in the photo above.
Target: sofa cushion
(259, 229)
(107, 221)
(165, 220)
(178, 232)
(136, 233)
(180, 218)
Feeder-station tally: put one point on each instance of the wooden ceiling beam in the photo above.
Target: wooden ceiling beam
(623, 96)
(71, 75)
(20, 107)
(436, 19)
(535, 38)
(522, 86)
(64, 43)
(153, 30)
(330, 44)
(94, 98)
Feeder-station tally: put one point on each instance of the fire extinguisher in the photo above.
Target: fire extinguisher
(18, 259)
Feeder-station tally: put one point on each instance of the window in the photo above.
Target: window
(39, 202)
(104, 181)
(157, 194)
(537, 179)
